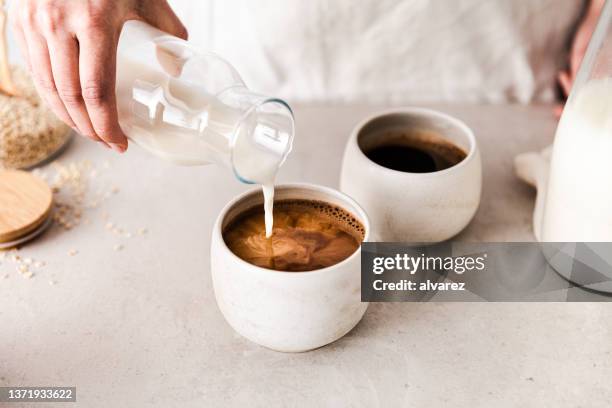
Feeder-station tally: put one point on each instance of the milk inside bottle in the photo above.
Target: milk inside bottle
(192, 108)
(579, 199)
(578, 204)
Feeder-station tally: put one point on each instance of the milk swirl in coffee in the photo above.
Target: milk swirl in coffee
(307, 235)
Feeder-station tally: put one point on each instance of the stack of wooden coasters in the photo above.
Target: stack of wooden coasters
(25, 207)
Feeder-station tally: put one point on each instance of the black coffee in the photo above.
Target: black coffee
(414, 151)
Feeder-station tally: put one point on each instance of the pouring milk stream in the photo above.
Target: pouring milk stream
(192, 108)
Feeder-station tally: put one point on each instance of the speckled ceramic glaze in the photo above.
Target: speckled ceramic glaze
(414, 207)
(287, 311)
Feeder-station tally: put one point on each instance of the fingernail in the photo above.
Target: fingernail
(118, 148)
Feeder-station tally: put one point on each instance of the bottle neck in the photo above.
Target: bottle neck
(262, 137)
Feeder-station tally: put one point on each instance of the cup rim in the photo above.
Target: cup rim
(363, 218)
(418, 111)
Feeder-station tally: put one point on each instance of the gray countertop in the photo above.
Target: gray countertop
(139, 326)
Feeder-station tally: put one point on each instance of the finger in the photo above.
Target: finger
(97, 68)
(42, 74)
(64, 55)
(163, 17)
(565, 82)
(575, 61)
(558, 110)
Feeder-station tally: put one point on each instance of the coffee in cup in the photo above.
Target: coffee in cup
(307, 235)
(416, 172)
(413, 151)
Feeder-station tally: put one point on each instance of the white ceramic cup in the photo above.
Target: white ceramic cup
(413, 207)
(288, 311)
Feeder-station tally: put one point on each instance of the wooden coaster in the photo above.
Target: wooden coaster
(25, 204)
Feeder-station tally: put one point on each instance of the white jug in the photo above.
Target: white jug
(573, 211)
(574, 202)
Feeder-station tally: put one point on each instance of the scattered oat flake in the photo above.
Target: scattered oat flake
(118, 247)
(73, 252)
(39, 264)
(28, 275)
(52, 282)
(143, 231)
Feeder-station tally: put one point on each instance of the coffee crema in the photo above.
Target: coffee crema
(307, 235)
(414, 151)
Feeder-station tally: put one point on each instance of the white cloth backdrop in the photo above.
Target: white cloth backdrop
(397, 51)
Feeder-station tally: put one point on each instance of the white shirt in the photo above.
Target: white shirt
(393, 51)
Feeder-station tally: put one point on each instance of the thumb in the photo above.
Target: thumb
(160, 15)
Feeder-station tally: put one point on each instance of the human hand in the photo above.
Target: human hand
(70, 47)
(579, 46)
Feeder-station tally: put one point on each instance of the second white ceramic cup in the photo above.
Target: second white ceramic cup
(413, 207)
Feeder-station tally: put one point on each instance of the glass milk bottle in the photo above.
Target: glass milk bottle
(192, 107)
(578, 204)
